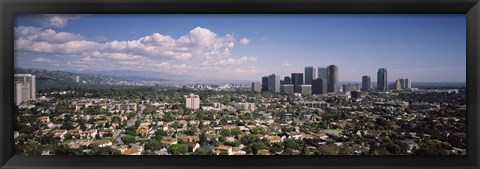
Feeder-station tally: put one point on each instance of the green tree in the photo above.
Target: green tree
(203, 139)
(200, 151)
(153, 145)
(128, 139)
(178, 149)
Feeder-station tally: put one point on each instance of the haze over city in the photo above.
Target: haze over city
(425, 48)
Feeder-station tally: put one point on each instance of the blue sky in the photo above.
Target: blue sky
(424, 48)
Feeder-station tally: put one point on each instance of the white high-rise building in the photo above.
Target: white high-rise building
(192, 101)
(25, 88)
(274, 83)
(77, 79)
(408, 84)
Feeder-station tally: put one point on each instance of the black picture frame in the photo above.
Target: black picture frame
(10, 8)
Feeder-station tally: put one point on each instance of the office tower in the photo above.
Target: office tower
(77, 79)
(310, 74)
(366, 83)
(402, 83)
(332, 81)
(282, 82)
(382, 83)
(319, 86)
(297, 80)
(322, 73)
(25, 88)
(350, 87)
(192, 101)
(286, 88)
(408, 84)
(264, 84)
(396, 85)
(356, 94)
(274, 83)
(287, 80)
(306, 89)
(256, 87)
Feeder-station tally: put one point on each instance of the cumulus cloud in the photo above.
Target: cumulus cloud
(155, 52)
(244, 41)
(45, 35)
(55, 20)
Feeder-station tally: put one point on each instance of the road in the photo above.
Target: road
(132, 121)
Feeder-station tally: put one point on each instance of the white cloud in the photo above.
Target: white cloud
(42, 35)
(55, 20)
(200, 47)
(244, 41)
(42, 60)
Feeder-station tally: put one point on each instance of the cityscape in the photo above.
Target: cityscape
(207, 93)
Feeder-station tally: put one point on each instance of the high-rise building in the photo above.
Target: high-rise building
(408, 84)
(192, 101)
(265, 84)
(350, 87)
(382, 83)
(356, 94)
(319, 86)
(306, 89)
(25, 88)
(402, 83)
(274, 83)
(287, 80)
(297, 80)
(310, 74)
(286, 88)
(366, 83)
(77, 79)
(332, 82)
(396, 85)
(322, 73)
(256, 87)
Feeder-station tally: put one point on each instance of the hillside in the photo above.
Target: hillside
(62, 78)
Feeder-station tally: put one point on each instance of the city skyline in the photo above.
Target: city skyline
(425, 48)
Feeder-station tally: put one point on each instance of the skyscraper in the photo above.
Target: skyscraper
(286, 88)
(408, 84)
(319, 86)
(382, 83)
(297, 80)
(256, 87)
(77, 79)
(310, 74)
(25, 88)
(274, 83)
(396, 85)
(366, 83)
(192, 101)
(264, 84)
(323, 73)
(332, 82)
(402, 83)
(287, 80)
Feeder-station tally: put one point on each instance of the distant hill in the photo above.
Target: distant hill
(141, 75)
(54, 78)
